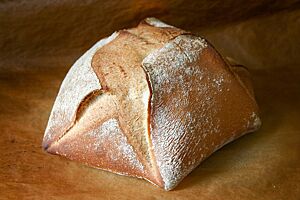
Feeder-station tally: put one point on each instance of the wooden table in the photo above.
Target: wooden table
(262, 165)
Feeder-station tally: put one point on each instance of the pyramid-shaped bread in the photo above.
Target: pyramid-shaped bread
(151, 102)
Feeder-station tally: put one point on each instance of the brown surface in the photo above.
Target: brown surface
(262, 165)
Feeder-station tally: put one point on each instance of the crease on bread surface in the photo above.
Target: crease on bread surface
(134, 95)
(150, 102)
(156, 63)
(79, 82)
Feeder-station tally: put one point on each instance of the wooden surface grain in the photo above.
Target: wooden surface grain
(261, 165)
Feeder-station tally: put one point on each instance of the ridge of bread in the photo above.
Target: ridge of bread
(157, 23)
(194, 93)
(112, 64)
(243, 75)
(79, 82)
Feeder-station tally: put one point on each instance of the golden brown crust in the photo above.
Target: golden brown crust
(165, 101)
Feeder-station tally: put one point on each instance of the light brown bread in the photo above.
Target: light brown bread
(151, 102)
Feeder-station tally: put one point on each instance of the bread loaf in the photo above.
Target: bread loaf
(150, 102)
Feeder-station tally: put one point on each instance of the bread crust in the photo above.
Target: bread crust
(151, 102)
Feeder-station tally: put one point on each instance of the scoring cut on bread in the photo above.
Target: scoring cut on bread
(151, 102)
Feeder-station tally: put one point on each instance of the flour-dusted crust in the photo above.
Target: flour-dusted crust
(80, 81)
(150, 102)
(197, 105)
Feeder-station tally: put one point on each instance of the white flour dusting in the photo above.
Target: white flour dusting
(109, 133)
(254, 121)
(157, 23)
(80, 81)
(170, 69)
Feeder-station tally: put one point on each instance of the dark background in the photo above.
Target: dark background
(40, 40)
